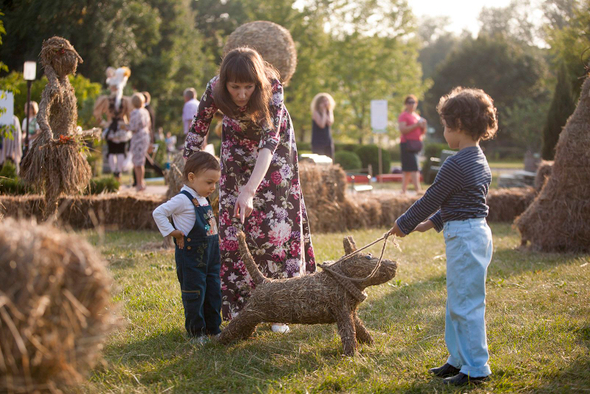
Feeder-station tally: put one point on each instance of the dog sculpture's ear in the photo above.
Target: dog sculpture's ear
(349, 245)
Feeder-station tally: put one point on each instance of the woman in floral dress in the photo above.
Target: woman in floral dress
(259, 184)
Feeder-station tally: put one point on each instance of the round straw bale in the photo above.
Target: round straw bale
(55, 307)
(272, 41)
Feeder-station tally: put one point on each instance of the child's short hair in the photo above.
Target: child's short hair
(138, 100)
(469, 110)
(198, 162)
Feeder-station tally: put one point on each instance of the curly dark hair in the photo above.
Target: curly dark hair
(471, 111)
(198, 162)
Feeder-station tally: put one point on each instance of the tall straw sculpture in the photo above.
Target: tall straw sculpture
(54, 164)
(558, 220)
(55, 301)
(272, 41)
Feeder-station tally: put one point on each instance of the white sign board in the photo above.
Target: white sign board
(7, 103)
(379, 116)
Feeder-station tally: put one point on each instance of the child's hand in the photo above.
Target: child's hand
(395, 230)
(179, 238)
(424, 226)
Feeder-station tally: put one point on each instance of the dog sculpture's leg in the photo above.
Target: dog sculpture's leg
(362, 334)
(241, 327)
(346, 330)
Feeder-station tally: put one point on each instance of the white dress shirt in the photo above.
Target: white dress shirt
(188, 113)
(181, 210)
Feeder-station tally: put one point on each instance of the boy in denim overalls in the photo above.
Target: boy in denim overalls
(197, 245)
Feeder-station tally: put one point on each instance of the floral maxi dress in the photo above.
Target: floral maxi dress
(277, 231)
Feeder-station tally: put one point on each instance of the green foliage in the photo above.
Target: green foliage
(13, 186)
(86, 93)
(348, 160)
(568, 36)
(562, 106)
(346, 147)
(8, 170)
(105, 184)
(369, 154)
(503, 68)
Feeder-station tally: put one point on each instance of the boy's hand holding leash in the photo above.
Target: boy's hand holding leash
(179, 238)
(395, 230)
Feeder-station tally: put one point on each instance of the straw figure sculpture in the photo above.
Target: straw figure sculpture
(54, 164)
(55, 307)
(273, 42)
(558, 219)
(321, 298)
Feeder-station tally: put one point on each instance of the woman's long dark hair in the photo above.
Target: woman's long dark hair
(245, 65)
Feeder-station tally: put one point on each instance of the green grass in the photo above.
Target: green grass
(537, 318)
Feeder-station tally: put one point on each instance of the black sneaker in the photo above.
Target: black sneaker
(444, 371)
(461, 379)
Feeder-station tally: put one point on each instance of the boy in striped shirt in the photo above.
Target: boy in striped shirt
(456, 203)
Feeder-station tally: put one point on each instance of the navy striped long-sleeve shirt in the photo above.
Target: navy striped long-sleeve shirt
(458, 192)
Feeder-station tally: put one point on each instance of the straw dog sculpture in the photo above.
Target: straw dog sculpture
(319, 298)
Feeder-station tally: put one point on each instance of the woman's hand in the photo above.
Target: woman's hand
(395, 230)
(244, 204)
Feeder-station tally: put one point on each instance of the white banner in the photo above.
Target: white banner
(379, 116)
(6, 103)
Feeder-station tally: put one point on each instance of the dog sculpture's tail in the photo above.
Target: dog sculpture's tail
(253, 270)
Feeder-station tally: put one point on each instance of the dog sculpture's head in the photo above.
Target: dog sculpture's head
(362, 264)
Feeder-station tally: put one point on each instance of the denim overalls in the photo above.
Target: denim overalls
(197, 267)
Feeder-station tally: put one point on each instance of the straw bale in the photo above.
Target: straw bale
(273, 42)
(543, 173)
(558, 218)
(133, 212)
(55, 308)
(318, 298)
(507, 204)
(55, 164)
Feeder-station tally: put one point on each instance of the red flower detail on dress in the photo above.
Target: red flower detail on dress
(276, 177)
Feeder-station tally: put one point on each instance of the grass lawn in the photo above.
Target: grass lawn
(538, 315)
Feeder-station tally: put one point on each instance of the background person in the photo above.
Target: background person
(139, 125)
(412, 127)
(322, 110)
(31, 111)
(191, 106)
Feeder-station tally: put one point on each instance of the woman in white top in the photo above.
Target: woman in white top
(33, 125)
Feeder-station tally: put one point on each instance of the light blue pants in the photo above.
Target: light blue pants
(469, 252)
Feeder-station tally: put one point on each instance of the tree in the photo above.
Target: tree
(515, 22)
(568, 35)
(105, 33)
(562, 106)
(437, 43)
(504, 69)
